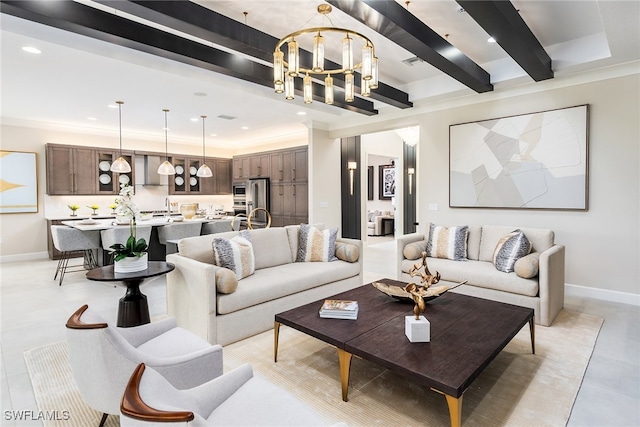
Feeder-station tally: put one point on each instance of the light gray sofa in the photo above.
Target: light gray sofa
(278, 284)
(544, 292)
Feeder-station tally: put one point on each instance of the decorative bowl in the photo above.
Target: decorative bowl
(188, 210)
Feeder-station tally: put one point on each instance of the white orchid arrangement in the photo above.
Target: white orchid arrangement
(127, 209)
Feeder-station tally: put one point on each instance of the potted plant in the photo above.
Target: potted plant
(94, 208)
(130, 256)
(73, 208)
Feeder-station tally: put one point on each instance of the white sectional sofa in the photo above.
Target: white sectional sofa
(544, 292)
(278, 284)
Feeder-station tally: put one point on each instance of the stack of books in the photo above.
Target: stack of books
(339, 309)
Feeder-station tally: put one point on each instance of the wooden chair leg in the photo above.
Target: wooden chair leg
(103, 420)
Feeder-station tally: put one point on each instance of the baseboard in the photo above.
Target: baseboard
(603, 294)
(23, 257)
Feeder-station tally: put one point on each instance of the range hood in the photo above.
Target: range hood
(151, 175)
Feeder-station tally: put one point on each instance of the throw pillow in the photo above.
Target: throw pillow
(235, 254)
(527, 266)
(414, 250)
(226, 281)
(509, 249)
(347, 252)
(316, 245)
(448, 242)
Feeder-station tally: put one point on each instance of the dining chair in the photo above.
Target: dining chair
(68, 240)
(177, 231)
(221, 226)
(103, 356)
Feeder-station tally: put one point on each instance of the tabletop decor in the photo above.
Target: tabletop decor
(73, 208)
(113, 207)
(131, 256)
(94, 208)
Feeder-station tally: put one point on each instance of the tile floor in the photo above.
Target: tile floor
(33, 310)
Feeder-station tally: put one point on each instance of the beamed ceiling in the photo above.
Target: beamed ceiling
(209, 57)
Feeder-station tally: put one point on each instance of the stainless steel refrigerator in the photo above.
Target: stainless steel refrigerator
(258, 197)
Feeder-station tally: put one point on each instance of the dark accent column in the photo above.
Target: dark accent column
(409, 200)
(351, 204)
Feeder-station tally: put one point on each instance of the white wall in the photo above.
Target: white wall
(603, 243)
(324, 179)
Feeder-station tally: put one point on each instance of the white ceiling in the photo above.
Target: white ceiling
(76, 77)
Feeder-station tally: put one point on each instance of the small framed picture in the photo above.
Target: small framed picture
(387, 182)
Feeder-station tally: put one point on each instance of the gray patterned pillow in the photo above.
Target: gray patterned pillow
(316, 245)
(448, 242)
(509, 249)
(235, 254)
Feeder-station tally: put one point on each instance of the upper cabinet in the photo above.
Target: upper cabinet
(289, 165)
(259, 166)
(83, 171)
(186, 180)
(241, 168)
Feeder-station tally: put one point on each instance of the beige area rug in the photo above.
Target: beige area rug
(516, 389)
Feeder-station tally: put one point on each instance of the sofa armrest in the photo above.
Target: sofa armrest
(551, 283)
(401, 242)
(191, 295)
(358, 244)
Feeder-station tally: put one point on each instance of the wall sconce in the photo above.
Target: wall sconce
(410, 172)
(351, 166)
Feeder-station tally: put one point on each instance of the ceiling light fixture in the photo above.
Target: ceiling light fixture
(283, 80)
(204, 171)
(31, 49)
(120, 165)
(166, 168)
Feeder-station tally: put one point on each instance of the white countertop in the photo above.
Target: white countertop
(157, 221)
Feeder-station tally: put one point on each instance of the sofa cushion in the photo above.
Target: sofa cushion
(270, 247)
(347, 252)
(540, 238)
(447, 242)
(509, 249)
(276, 282)
(235, 254)
(315, 245)
(414, 250)
(478, 273)
(226, 281)
(527, 266)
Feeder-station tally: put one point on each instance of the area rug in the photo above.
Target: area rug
(516, 389)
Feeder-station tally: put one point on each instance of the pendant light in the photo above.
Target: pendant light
(120, 165)
(166, 168)
(204, 171)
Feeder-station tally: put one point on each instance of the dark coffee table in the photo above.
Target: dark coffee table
(467, 333)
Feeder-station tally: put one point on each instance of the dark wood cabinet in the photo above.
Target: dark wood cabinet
(84, 171)
(241, 168)
(186, 180)
(289, 187)
(259, 166)
(222, 175)
(70, 170)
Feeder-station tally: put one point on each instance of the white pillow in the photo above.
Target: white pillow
(235, 254)
(509, 249)
(448, 242)
(316, 245)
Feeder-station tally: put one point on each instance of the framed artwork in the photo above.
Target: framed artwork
(387, 182)
(18, 182)
(530, 161)
(370, 182)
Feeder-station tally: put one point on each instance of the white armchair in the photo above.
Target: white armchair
(103, 356)
(237, 398)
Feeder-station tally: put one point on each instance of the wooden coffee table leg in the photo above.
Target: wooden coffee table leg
(345, 365)
(276, 335)
(532, 330)
(455, 408)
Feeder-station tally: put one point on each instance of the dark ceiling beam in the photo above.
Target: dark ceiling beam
(502, 21)
(199, 21)
(91, 22)
(396, 23)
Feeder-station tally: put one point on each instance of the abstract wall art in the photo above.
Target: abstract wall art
(529, 161)
(18, 182)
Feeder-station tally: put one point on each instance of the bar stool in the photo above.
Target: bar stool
(111, 236)
(68, 240)
(177, 231)
(221, 226)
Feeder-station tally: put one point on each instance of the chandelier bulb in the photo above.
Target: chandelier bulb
(294, 58)
(328, 90)
(307, 89)
(348, 88)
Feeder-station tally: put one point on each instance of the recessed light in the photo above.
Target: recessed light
(244, 127)
(31, 49)
(91, 118)
(301, 113)
(112, 106)
(195, 119)
(213, 134)
(200, 94)
(491, 40)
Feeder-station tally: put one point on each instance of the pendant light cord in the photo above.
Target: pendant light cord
(166, 143)
(120, 122)
(203, 143)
